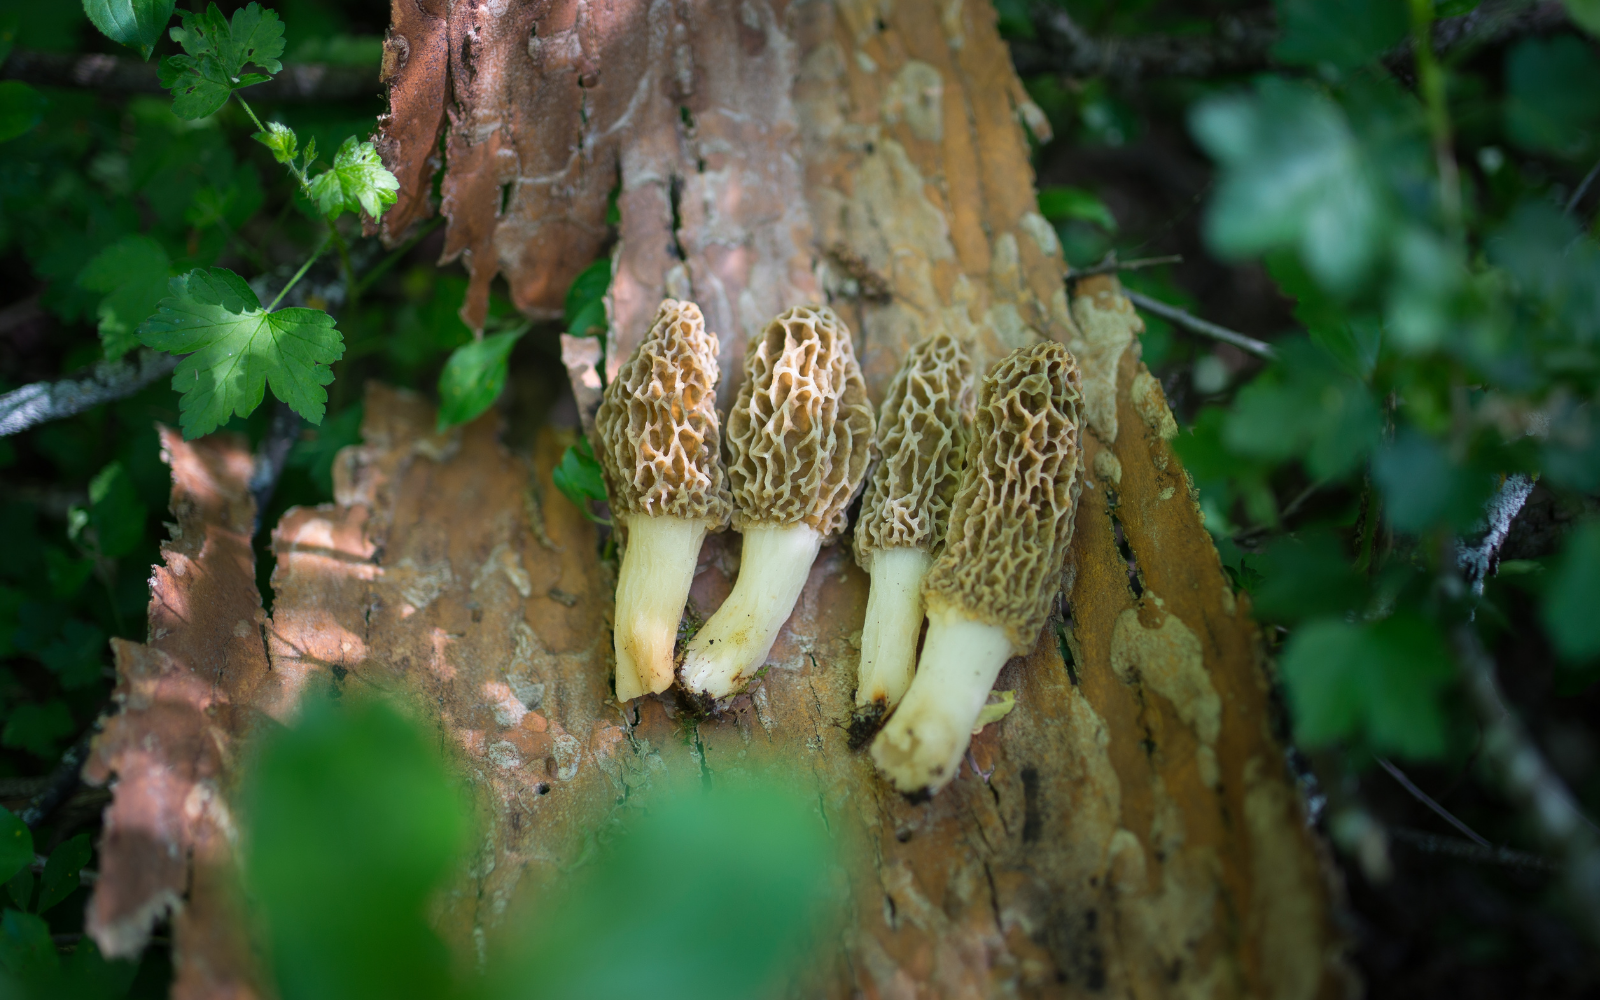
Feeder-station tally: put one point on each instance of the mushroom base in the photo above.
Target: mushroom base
(921, 747)
(652, 586)
(773, 567)
(894, 618)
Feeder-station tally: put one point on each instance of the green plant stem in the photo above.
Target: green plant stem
(1431, 83)
(298, 275)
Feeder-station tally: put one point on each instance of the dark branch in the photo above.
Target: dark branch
(297, 84)
(44, 401)
(1243, 42)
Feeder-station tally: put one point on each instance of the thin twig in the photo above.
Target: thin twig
(1467, 851)
(1529, 780)
(45, 401)
(1583, 188)
(1481, 560)
(1195, 324)
(63, 781)
(1111, 265)
(1427, 800)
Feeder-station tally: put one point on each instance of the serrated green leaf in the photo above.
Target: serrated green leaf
(1573, 595)
(1342, 34)
(1059, 203)
(216, 52)
(21, 108)
(132, 273)
(473, 377)
(281, 139)
(61, 870)
(38, 727)
(236, 349)
(16, 844)
(579, 478)
(1294, 175)
(137, 24)
(1378, 684)
(357, 182)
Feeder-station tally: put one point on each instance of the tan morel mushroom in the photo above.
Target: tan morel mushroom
(799, 441)
(989, 592)
(659, 451)
(923, 430)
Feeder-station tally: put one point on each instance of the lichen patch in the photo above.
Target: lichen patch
(1168, 660)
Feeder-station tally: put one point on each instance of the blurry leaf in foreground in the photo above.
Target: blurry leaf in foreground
(1304, 407)
(1293, 175)
(1307, 576)
(353, 822)
(1423, 488)
(1573, 596)
(16, 844)
(578, 477)
(1059, 203)
(1553, 95)
(38, 727)
(715, 895)
(1375, 684)
(21, 108)
(28, 954)
(1586, 14)
(132, 273)
(137, 24)
(473, 377)
(1344, 34)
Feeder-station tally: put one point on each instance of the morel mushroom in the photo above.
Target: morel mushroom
(799, 440)
(989, 592)
(659, 452)
(923, 429)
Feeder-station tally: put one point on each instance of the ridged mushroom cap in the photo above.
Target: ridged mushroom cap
(1013, 514)
(923, 429)
(657, 423)
(800, 432)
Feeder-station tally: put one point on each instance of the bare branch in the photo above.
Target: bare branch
(114, 74)
(1528, 779)
(1195, 324)
(44, 401)
(1480, 561)
(1466, 850)
(1428, 800)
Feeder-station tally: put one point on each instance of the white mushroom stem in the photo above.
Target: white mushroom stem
(657, 569)
(894, 617)
(922, 745)
(735, 641)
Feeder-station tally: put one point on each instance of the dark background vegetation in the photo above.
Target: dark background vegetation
(1334, 480)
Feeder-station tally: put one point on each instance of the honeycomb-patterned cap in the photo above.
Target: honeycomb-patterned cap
(657, 424)
(800, 432)
(1013, 514)
(923, 429)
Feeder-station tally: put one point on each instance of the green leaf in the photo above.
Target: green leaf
(1585, 14)
(473, 377)
(1306, 577)
(235, 349)
(1378, 684)
(16, 844)
(38, 727)
(357, 182)
(1294, 175)
(1058, 204)
(132, 273)
(345, 923)
(1423, 488)
(21, 108)
(216, 52)
(66, 574)
(281, 139)
(590, 321)
(135, 23)
(20, 888)
(578, 477)
(26, 950)
(588, 289)
(317, 452)
(61, 870)
(77, 655)
(1573, 595)
(1342, 34)
(95, 976)
(1553, 96)
(1304, 407)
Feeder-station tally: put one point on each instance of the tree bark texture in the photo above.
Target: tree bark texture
(1130, 829)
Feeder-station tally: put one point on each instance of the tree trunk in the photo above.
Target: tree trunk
(1130, 829)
